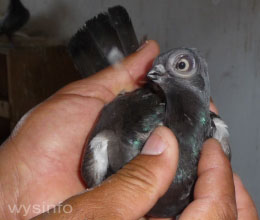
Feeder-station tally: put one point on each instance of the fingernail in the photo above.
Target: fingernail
(154, 145)
(143, 45)
(211, 100)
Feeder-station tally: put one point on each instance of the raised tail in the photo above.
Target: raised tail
(102, 41)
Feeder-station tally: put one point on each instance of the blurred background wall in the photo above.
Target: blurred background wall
(226, 32)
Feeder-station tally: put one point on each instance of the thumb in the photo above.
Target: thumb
(133, 190)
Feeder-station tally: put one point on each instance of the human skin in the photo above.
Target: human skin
(39, 163)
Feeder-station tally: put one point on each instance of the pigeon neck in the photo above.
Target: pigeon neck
(188, 115)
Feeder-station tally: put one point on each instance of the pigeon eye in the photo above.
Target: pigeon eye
(183, 65)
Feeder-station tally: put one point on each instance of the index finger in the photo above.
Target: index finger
(214, 194)
(108, 83)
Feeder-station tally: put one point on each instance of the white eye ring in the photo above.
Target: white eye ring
(183, 65)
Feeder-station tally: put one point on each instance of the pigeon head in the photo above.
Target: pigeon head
(180, 71)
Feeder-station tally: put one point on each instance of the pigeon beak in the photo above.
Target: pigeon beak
(154, 75)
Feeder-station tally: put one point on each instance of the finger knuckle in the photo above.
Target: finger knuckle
(139, 178)
(223, 210)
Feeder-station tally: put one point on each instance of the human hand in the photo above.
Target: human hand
(133, 191)
(39, 163)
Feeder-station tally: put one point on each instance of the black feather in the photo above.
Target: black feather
(121, 22)
(86, 55)
(91, 45)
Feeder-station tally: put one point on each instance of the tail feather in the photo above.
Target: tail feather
(123, 25)
(104, 34)
(90, 47)
(86, 57)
